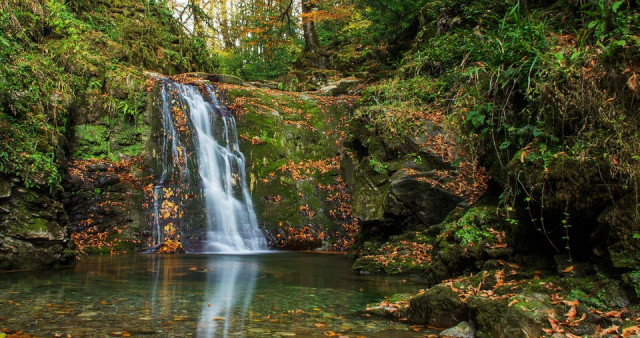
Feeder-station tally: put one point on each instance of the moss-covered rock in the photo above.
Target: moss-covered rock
(526, 318)
(402, 172)
(370, 189)
(438, 307)
(467, 241)
(486, 313)
(415, 193)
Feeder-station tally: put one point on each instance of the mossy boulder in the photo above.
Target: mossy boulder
(402, 172)
(415, 193)
(438, 306)
(461, 244)
(369, 192)
(487, 313)
(599, 291)
(526, 318)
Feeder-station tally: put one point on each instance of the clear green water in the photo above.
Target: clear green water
(268, 295)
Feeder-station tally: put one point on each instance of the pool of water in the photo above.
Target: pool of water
(266, 295)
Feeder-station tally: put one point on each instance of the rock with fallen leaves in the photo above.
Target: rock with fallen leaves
(439, 307)
(104, 200)
(292, 143)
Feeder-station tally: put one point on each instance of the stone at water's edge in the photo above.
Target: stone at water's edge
(462, 330)
(439, 307)
(33, 228)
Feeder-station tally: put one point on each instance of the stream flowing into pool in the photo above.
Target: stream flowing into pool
(268, 295)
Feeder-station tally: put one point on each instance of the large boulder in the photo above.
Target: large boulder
(526, 318)
(339, 87)
(370, 188)
(438, 307)
(413, 192)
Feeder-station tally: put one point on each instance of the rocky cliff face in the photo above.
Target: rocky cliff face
(293, 143)
(34, 227)
(408, 180)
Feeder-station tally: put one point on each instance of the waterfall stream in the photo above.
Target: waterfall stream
(232, 225)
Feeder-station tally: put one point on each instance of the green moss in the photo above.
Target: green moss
(487, 313)
(93, 141)
(89, 62)
(37, 224)
(281, 201)
(472, 227)
(632, 281)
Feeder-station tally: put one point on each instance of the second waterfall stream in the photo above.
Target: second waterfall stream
(197, 127)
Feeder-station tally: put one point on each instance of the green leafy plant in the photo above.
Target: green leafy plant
(377, 166)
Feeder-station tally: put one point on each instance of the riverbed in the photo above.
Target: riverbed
(273, 294)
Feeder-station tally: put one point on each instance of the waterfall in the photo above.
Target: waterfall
(195, 122)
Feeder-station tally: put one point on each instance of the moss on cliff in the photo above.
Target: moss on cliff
(292, 143)
(72, 85)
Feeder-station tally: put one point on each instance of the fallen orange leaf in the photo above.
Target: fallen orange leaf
(572, 313)
(610, 330)
(633, 330)
(611, 314)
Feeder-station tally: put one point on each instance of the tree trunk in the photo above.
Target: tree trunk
(309, 28)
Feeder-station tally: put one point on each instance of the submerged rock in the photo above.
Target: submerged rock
(462, 330)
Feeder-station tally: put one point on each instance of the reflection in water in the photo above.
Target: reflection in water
(230, 285)
(279, 294)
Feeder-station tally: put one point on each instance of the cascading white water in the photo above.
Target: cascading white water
(232, 225)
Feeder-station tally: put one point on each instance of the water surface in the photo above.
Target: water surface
(267, 295)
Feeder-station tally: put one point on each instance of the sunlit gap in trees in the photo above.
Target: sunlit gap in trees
(227, 24)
